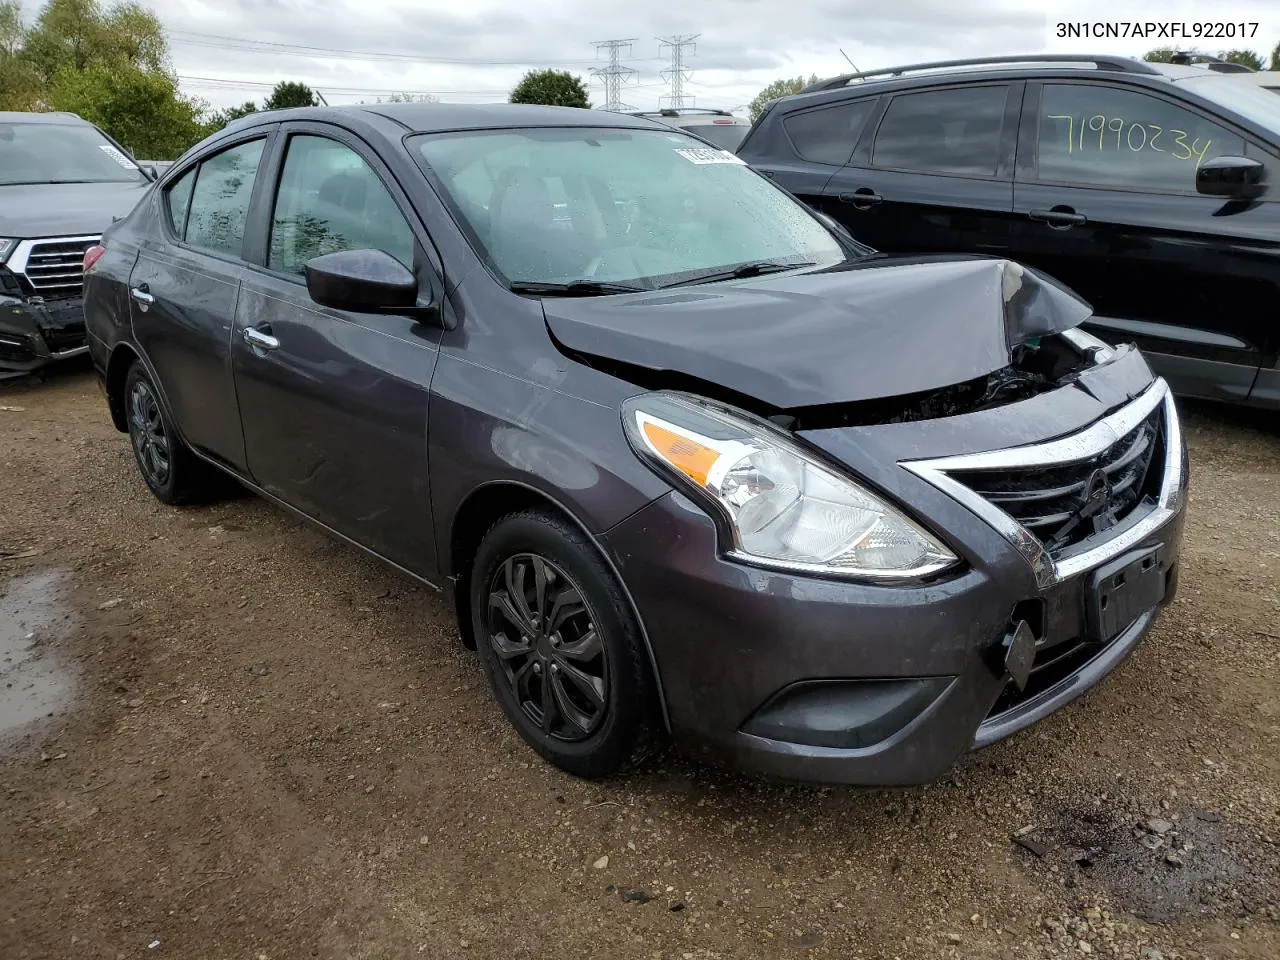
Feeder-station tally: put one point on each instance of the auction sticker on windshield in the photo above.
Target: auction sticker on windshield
(117, 156)
(709, 155)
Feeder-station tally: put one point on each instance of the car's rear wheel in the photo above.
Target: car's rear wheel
(171, 471)
(562, 648)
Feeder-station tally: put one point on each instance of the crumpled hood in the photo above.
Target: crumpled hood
(879, 328)
(64, 209)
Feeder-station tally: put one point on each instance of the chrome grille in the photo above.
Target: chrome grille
(55, 267)
(1065, 504)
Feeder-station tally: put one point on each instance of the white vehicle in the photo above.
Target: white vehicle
(1267, 79)
(718, 126)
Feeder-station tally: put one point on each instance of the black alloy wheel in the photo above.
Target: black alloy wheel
(146, 430)
(172, 472)
(544, 636)
(565, 655)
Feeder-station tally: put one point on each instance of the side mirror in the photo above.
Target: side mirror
(1236, 177)
(362, 281)
(150, 172)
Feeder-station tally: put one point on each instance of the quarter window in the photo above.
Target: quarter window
(220, 200)
(943, 131)
(1105, 136)
(828, 135)
(330, 200)
(179, 198)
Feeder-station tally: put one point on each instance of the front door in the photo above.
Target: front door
(183, 293)
(1106, 202)
(936, 176)
(334, 404)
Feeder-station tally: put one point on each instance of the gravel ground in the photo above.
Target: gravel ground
(256, 742)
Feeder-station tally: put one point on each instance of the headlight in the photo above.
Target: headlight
(783, 507)
(6, 248)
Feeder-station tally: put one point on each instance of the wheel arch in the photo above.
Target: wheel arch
(122, 358)
(477, 512)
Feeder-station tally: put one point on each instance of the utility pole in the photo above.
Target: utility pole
(677, 73)
(615, 74)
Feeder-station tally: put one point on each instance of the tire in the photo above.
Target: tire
(172, 472)
(578, 648)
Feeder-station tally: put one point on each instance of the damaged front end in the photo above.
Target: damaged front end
(37, 328)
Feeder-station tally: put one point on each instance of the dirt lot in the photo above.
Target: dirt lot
(259, 743)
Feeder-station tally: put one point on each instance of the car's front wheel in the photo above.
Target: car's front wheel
(562, 649)
(172, 472)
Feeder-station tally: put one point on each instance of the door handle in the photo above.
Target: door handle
(259, 340)
(864, 198)
(142, 294)
(1059, 217)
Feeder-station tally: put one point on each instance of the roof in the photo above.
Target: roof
(9, 116)
(438, 117)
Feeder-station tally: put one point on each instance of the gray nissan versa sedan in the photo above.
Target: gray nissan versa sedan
(687, 459)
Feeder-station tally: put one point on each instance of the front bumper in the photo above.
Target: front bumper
(912, 666)
(35, 333)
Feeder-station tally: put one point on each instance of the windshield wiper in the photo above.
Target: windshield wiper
(756, 268)
(578, 288)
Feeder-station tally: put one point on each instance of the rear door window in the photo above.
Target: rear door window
(828, 134)
(220, 200)
(1097, 135)
(953, 131)
(178, 200)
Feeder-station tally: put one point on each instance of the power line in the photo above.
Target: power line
(614, 75)
(245, 45)
(677, 74)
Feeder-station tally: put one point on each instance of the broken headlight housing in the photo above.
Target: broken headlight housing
(780, 505)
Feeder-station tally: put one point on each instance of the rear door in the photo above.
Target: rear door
(183, 292)
(933, 172)
(1106, 202)
(335, 413)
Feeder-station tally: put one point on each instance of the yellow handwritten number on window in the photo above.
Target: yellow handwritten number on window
(1137, 137)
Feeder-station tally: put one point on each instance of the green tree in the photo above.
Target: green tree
(223, 117)
(79, 34)
(779, 88)
(141, 110)
(20, 85)
(1275, 58)
(557, 88)
(290, 93)
(1160, 55)
(1244, 57)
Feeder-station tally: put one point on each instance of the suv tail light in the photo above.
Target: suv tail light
(93, 255)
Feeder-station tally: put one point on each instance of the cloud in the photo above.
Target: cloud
(477, 52)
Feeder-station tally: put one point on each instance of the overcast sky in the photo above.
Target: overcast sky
(475, 51)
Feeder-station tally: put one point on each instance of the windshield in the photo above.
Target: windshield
(61, 153)
(726, 135)
(1255, 103)
(639, 207)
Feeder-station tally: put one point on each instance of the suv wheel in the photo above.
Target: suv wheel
(171, 471)
(562, 649)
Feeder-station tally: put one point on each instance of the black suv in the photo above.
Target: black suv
(1150, 189)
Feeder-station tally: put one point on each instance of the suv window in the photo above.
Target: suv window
(943, 131)
(179, 197)
(1099, 135)
(330, 200)
(220, 200)
(828, 135)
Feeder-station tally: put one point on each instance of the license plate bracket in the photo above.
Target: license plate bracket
(1123, 589)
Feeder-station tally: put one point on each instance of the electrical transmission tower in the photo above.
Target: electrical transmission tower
(615, 74)
(677, 73)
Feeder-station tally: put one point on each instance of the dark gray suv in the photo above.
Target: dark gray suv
(688, 460)
(62, 180)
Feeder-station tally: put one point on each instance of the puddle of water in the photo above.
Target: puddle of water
(34, 683)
